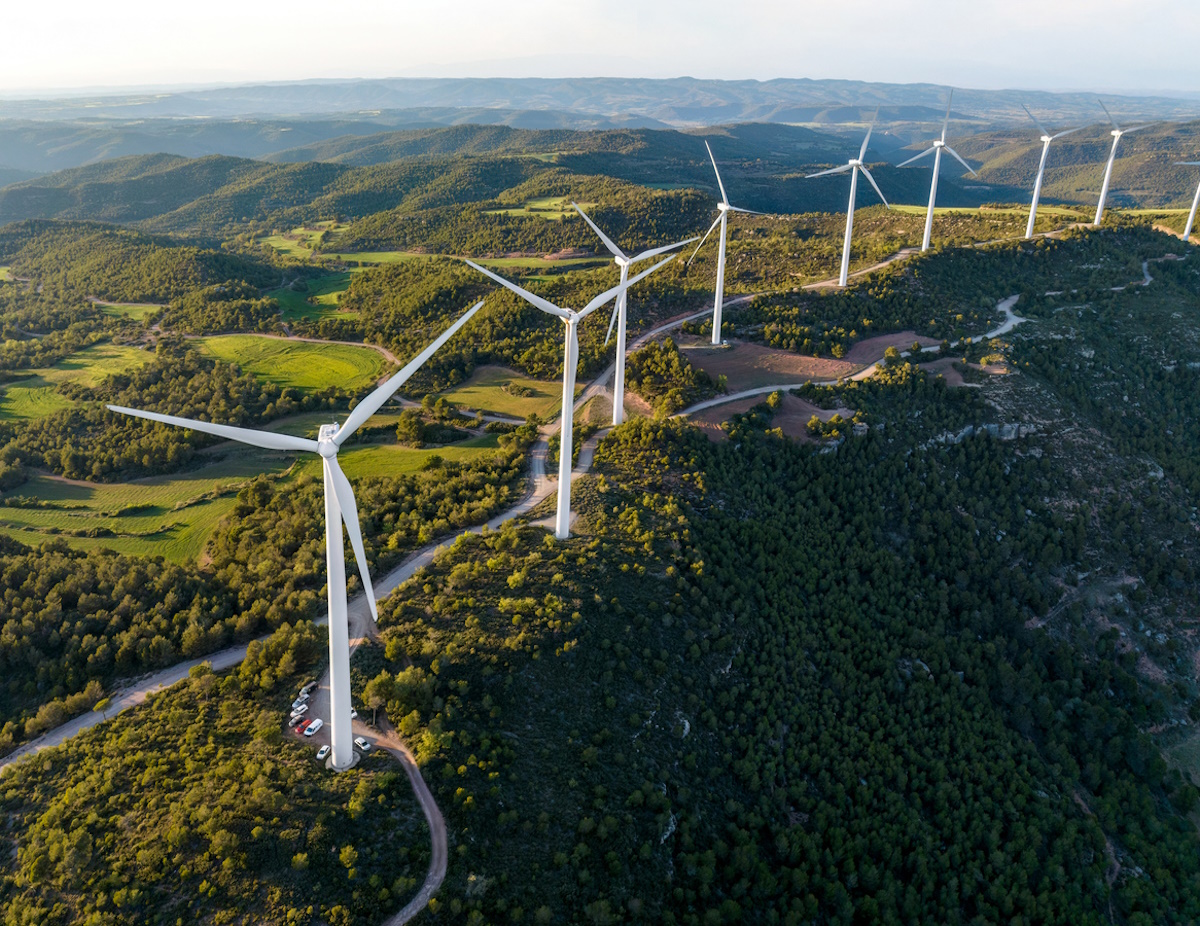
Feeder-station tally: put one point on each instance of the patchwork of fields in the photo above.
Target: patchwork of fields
(36, 395)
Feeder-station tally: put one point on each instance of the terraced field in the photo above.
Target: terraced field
(301, 364)
(170, 516)
(489, 387)
(36, 396)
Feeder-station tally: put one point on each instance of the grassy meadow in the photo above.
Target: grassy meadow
(486, 391)
(301, 364)
(319, 301)
(546, 207)
(36, 395)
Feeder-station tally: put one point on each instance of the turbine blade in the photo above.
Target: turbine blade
(1064, 132)
(536, 301)
(724, 198)
(1041, 127)
(265, 439)
(960, 160)
(917, 158)
(747, 211)
(1187, 163)
(613, 249)
(612, 321)
(379, 397)
(867, 173)
(862, 152)
(705, 238)
(654, 252)
(1107, 113)
(946, 122)
(826, 173)
(1138, 128)
(616, 290)
(345, 497)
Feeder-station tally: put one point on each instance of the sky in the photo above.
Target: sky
(1109, 45)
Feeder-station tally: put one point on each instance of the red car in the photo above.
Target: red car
(302, 725)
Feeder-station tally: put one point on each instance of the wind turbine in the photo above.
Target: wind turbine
(854, 165)
(936, 150)
(571, 318)
(624, 261)
(1116, 133)
(723, 209)
(1187, 232)
(1037, 184)
(340, 507)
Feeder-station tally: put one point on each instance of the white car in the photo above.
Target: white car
(322, 753)
(353, 713)
(362, 744)
(303, 699)
(297, 711)
(314, 727)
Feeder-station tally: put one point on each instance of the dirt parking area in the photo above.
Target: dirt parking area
(872, 349)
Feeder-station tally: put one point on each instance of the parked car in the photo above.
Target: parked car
(299, 711)
(307, 689)
(322, 753)
(300, 727)
(303, 699)
(362, 744)
(296, 720)
(353, 713)
(314, 726)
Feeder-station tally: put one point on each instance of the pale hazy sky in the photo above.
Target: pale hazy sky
(1048, 44)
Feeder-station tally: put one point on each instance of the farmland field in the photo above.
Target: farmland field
(173, 517)
(36, 395)
(134, 310)
(301, 364)
(5, 275)
(324, 291)
(394, 459)
(547, 207)
(485, 391)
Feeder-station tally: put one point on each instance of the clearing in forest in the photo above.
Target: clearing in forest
(501, 391)
(35, 393)
(792, 416)
(301, 364)
(545, 207)
(319, 299)
(748, 366)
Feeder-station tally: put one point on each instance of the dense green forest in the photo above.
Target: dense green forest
(197, 809)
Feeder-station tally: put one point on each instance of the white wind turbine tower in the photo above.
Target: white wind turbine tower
(340, 507)
(1037, 184)
(722, 219)
(1116, 133)
(854, 165)
(624, 261)
(936, 151)
(571, 318)
(1187, 232)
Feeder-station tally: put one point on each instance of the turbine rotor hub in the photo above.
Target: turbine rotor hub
(325, 445)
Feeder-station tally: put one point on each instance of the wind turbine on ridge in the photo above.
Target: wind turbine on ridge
(854, 165)
(340, 507)
(1187, 232)
(624, 261)
(723, 209)
(571, 318)
(1037, 184)
(936, 151)
(1116, 133)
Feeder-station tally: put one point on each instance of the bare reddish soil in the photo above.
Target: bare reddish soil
(872, 349)
(793, 416)
(748, 366)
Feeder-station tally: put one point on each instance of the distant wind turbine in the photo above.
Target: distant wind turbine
(623, 261)
(1187, 232)
(936, 151)
(1116, 133)
(854, 165)
(340, 507)
(723, 209)
(1037, 184)
(571, 318)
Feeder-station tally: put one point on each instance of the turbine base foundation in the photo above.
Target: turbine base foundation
(353, 762)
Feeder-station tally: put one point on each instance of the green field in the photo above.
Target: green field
(319, 301)
(394, 459)
(484, 391)
(301, 364)
(134, 310)
(181, 514)
(300, 242)
(5, 275)
(547, 207)
(36, 395)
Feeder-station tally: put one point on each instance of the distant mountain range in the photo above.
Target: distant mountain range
(292, 121)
